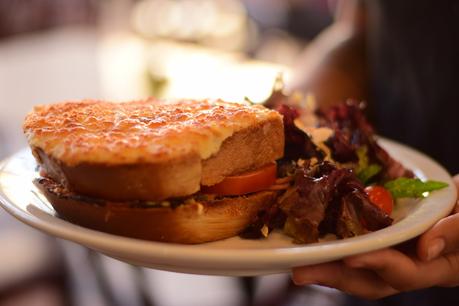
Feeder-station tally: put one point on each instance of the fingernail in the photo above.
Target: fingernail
(436, 247)
(300, 279)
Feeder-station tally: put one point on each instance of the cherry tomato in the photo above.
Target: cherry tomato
(380, 197)
(248, 182)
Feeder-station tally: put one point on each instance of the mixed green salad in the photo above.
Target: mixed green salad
(340, 180)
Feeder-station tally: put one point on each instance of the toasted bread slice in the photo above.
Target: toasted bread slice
(147, 150)
(192, 222)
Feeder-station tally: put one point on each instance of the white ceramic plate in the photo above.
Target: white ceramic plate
(232, 256)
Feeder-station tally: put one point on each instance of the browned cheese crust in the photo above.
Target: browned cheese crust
(157, 151)
(195, 222)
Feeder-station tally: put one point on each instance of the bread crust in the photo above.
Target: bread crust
(191, 223)
(248, 149)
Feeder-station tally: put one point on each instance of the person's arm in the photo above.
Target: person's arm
(433, 261)
(333, 66)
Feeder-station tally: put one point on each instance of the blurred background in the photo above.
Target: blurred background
(53, 50)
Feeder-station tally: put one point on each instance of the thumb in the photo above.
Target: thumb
(443, 237)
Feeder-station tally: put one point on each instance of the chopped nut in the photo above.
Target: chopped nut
(200, 209)
(264, 231)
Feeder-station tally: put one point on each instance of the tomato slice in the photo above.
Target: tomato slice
(248, 182)
(380, 197)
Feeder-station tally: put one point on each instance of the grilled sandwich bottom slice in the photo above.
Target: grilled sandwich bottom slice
(192, 222)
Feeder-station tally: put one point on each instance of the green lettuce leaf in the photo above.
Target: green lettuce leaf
(412, 187)
(362, 154)
(369, 172)
(364, 170)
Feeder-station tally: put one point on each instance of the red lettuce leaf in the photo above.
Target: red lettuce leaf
(297, 143)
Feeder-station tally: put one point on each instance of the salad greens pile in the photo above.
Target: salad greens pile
(328, 193)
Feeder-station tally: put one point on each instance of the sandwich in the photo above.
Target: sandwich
(199, 171)
(174, 171)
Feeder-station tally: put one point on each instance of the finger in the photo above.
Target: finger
(405, 273)
(456, 183)
(442, 238)
(357, 282)
(391, 265)
(456, 180)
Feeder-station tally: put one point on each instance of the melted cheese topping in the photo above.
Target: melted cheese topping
(140, 131)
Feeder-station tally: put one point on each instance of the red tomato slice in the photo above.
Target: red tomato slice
(380, 197)
(248, 182)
